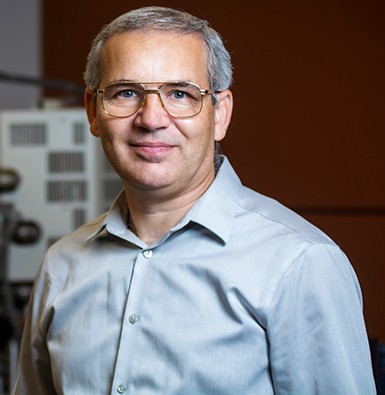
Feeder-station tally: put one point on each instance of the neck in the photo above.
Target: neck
(150, 224)
(152, 214)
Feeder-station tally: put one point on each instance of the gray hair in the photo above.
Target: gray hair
(164, 19)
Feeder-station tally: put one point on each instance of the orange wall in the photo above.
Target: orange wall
(309, 125)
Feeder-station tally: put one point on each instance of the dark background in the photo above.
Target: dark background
(308, 126)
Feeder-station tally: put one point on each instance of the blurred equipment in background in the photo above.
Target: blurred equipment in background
(13, 229)
(66, 180)
(53, 169)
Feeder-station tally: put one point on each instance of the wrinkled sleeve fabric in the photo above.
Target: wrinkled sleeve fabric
(316, 332)
(34, 374)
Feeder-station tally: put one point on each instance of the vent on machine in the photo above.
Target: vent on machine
(79, 132)
(66, 162)
(66, 191)
(27, 134)
(79, 217)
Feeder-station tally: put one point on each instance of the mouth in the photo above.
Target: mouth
(152, 148)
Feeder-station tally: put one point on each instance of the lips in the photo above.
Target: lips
(152, 147)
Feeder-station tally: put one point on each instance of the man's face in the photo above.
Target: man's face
(151, 150)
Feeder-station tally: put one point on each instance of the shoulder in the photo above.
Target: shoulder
(66, 254)
(263, 211)
(81, 235)
(257, 213)
(280, 241)
(293, 257)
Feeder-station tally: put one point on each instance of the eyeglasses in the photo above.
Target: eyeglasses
(179, 99)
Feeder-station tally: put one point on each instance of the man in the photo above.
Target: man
(191, 284)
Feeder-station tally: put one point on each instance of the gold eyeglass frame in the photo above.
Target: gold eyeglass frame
(203, 92)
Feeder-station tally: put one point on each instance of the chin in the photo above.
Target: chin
(153, 182)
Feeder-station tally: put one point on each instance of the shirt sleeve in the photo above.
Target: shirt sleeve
(316, 331)
(34, 371)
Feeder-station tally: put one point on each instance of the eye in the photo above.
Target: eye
(179, 95)
(181, 92)
(126, 94)
(123, 92)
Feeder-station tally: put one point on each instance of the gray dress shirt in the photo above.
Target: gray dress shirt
(242, 297)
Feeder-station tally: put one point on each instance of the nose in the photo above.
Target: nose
(151, 115)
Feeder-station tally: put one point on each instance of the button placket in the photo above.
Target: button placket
(131, 329)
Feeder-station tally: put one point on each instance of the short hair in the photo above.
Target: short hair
(220, 71)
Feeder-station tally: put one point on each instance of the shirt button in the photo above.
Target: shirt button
(122, 388)
(133, 319)
(147, 254)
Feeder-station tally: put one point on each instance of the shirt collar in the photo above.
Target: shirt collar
(217, 207)
(215, 210)
(114, 219)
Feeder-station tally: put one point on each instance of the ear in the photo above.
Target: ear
(223, 111)
(90, 99)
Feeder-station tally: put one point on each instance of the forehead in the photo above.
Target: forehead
(154, 56)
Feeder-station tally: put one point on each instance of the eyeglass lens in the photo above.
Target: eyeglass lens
(179, 99)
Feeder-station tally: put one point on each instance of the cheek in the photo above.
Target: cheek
(199, 128)
(206, 131)
(111, 140)
(112, 129)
